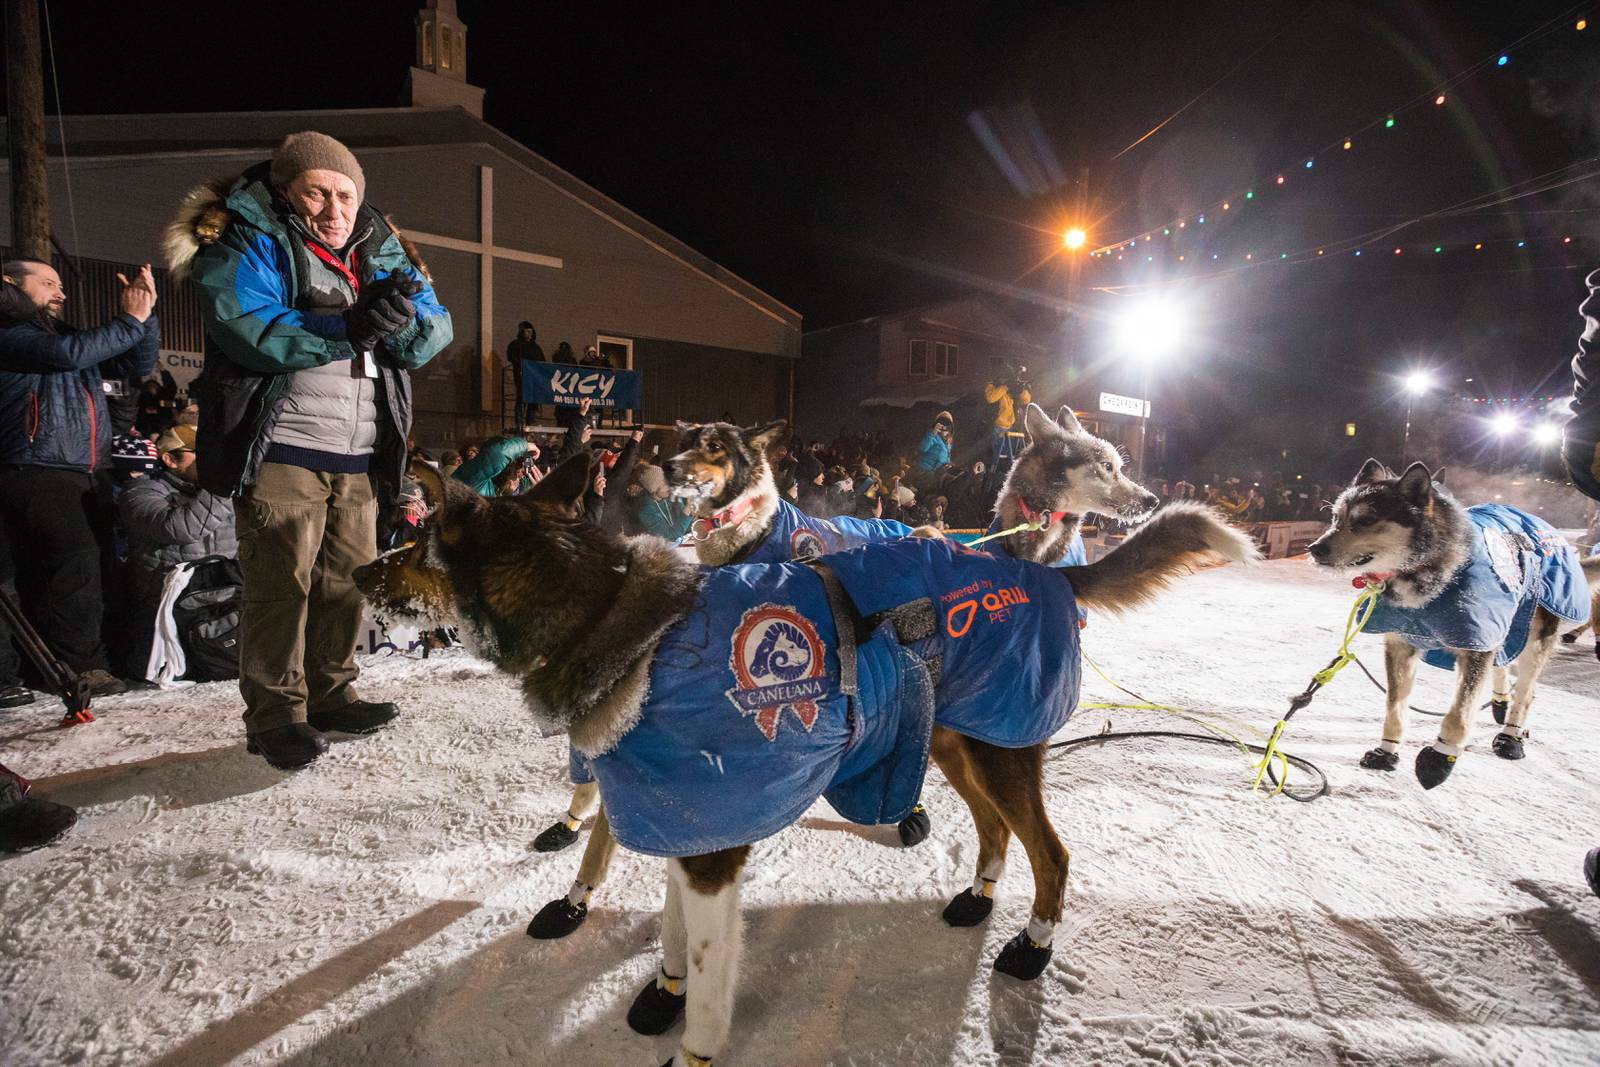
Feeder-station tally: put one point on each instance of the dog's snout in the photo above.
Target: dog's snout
(1318, 549)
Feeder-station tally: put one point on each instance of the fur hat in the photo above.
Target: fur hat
(178, 438)
(130, 452)
(310, 150)
(944, 417)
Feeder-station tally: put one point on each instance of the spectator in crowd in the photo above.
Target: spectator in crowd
(618, 477)
(449, 462)
(658, 513)
(169, 519)
(524, 349)
(564, 354)
(55, 433)
(158, 407)
(936, 513)
(132, 457)
(998, 394)
(812, 497)
(593, 358)
(500, 467)
(316, 314)
(933, 454)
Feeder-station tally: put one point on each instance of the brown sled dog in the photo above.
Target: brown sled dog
(577, 613)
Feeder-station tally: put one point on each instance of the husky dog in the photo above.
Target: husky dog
(722, 472)
(1063, 474)
(1475, 588)
(632, 650)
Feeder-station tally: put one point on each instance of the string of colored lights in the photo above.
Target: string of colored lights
(1439, 94)
(1356, 245)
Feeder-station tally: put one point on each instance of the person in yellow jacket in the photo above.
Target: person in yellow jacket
(998, 393)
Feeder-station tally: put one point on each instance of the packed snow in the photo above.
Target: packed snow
(210, 910)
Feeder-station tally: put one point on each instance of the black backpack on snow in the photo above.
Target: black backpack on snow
(206, 615)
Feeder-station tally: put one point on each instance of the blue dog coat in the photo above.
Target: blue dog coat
(796, 535)
(1518, 563)
(746, 722)
(793, 535)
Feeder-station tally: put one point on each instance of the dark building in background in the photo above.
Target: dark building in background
(895, 372)
(507, 235)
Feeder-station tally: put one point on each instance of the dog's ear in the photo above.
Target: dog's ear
(1038, 424)
(1438, 476)
(563, 488)
(448, 498)
(1067, 419)
(760, 438)
(1372, 471)
(1416, 484)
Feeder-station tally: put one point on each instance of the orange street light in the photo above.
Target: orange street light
(1074, 238)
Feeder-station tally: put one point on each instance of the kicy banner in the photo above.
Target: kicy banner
(563, 385)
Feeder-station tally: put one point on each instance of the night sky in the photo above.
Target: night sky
(835, 155)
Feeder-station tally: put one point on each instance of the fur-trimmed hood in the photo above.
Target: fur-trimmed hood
(206, 212)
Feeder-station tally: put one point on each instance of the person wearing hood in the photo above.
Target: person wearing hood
(524, 349)
(316, 313)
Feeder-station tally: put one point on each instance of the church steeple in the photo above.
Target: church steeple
(439, 76)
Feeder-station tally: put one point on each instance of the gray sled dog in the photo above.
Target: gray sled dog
(834, 691)
(1476, 589)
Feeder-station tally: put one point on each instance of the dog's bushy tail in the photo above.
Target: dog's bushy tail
(1168, 546)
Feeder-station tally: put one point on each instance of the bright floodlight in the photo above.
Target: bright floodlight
(1503, 424)
(1546, 434)
(1418, 382)
(1151, 327)
(1074, 238)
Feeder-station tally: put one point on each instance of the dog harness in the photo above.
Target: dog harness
(1518, 563)
(789, 682)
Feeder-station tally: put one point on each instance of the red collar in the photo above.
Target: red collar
(1043, 519)
(732, 515)
(1363, 581)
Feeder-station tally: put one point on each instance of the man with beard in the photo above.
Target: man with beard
(55, 435)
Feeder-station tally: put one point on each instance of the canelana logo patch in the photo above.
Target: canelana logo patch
(806, 544)
(778, 664)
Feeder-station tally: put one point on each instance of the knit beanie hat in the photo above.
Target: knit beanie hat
(130, 452)
(651, 477)
(310, 150)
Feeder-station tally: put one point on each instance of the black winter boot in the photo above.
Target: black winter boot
(288, 748)
(968, 908)
(16, 696)
(555, 837)
(1023, 959)
(356, 717)
(914, 828)
(1591, 869)
(557, 919)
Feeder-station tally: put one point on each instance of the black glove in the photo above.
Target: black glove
(382, 310)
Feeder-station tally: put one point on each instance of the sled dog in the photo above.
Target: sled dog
(1473, 589)
(722, 473)
(718, 704)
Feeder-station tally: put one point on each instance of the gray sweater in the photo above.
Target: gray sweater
(168, 521)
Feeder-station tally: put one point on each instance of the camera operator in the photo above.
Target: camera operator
(999, 393)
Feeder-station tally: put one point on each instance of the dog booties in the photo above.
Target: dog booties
(794, 535)
(1518, 563)
(748, 719)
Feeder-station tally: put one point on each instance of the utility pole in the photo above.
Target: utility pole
(30, 191)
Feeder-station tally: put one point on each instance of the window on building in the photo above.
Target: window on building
(445, 45)
(427, 45)
(919, 359)
(944, 360)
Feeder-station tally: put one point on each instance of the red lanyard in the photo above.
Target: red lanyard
(333, 261)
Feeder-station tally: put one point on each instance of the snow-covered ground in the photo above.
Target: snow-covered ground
(210, 910)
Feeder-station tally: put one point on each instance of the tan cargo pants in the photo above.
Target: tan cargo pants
(301, 536)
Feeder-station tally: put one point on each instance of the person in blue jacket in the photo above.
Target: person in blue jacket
(1581, 443)
(55, 437)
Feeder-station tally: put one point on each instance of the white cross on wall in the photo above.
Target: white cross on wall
(487, 252)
